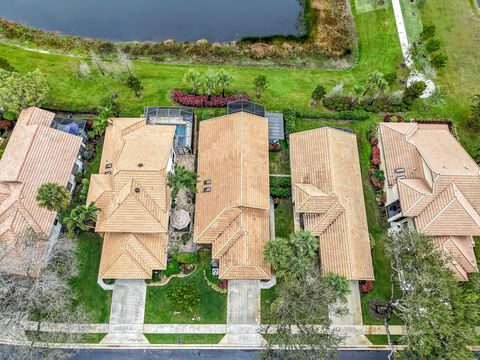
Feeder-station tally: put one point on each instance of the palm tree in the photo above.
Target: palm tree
(224, 79)
(82, 217)
(53, 197)
(210, 83)
(193, 78)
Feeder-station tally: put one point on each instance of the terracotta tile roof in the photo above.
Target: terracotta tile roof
(35, 154)
(329, 195)
(132, 256)
(460, 249)
(132, 194)
(234, 216)
(441, 188)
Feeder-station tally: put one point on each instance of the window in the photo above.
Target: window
(69, 186)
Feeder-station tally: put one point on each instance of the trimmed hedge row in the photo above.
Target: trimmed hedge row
(290, 116)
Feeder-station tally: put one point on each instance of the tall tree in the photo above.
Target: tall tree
(53, 197)
(194, 79)
(19, 91)
(301, 313)
(438, 312)
(224, 79)
(182, 178)
(210, 82)
(38, 298)
(294, 257)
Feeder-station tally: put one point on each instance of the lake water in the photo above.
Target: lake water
(182, 20)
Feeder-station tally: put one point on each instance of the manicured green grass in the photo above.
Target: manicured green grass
(284, 218)
(212, 308)
(412, 19)
(378, 50)
(65, 338)
(382, 339)
(184, 338)
(266, 298)
(89, 294)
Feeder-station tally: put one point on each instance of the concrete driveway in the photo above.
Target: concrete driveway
(243, 313)
(243, 307)
(127, 313)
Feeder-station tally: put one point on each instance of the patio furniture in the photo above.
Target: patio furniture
(180, 219)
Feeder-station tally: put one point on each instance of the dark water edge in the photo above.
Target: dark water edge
(150, 20)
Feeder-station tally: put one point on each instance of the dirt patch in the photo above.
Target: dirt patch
(335, 28)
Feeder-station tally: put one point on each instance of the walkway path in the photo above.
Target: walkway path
(405, 45)
(127, 313)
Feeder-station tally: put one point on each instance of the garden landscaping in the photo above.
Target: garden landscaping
(287, 88)
(187, 300)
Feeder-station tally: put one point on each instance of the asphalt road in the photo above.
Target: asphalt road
(205, 355)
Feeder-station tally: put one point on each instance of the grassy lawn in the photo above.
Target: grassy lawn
(284, 218)
(412, 19)
(65, 338)
(184, 338)
(212, 308)
(379, 49)
(95, 300)
(382, 339)
(266, 297)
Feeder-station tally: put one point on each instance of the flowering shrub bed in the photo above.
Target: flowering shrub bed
(366, 286)
(377, 177)
(186, 99)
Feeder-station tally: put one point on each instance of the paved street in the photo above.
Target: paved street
(205, 355)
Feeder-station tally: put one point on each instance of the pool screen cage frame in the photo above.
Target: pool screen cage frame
(246, 106)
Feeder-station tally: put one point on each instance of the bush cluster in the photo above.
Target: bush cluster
(278, 49)
(173, 268)
(280, 187)
(187, 258)
(186, 99)
(16, 31)
(377, 104)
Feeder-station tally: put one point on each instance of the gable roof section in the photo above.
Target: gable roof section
(35, 154)
(460, 249)
(132, 194)
(398, 152)
(449, 213)
(132, 256)
(328, 192)
(234, 215)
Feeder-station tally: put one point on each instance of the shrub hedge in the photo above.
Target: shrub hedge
(187, 258)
